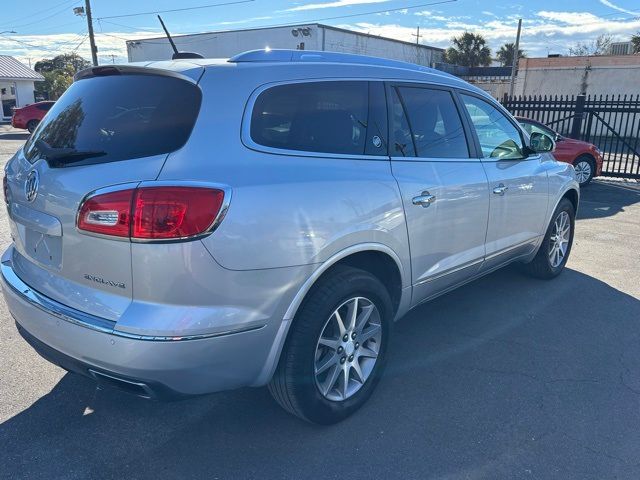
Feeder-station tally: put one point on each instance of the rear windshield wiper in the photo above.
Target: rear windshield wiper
(53, 154)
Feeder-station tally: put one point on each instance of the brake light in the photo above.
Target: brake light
(152, 213)
(107, 214)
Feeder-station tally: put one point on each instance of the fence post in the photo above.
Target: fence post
(578, 114)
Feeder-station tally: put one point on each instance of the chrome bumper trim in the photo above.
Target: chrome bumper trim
(86, 320)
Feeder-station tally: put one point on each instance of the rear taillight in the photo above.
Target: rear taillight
(107, 213)
(152, 213)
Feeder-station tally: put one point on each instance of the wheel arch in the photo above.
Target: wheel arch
(573, 196)
(378, 259)
(584, 154)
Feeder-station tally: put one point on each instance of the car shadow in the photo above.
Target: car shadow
(604, 199)
(14, 136)
(504, 376)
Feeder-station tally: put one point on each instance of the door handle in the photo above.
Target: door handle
(500, 189)
(424, 200)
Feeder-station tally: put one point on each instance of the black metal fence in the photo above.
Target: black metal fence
(612, 123)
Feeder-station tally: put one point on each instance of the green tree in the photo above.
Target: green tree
(469, 50)
(58, 74)
(505, 54)
(55, 84)
(67, 61)
(635, 43)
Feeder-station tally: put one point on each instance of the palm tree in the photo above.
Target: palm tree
(505, 54)
(469, 50)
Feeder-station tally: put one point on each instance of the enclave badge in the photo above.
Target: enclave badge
(101, 280)
(31, 185)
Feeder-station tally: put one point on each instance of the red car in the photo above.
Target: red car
(29, 117)
(585, 157)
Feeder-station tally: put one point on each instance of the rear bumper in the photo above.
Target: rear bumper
(162, 369)
(18, 122)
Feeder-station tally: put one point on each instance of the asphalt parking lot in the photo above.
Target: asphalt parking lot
(507, 377)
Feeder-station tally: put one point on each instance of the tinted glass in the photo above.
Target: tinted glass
(119, 117)
(499, 138)
(325, 117)
(435, 123)
(400, 131)
(530, 128)
(44, 106)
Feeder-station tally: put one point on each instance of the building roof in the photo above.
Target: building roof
(12, 69)
(293, 25)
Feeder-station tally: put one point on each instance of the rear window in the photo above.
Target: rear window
(323, 117)
(119, 117)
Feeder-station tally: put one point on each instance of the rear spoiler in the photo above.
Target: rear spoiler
(110, 70)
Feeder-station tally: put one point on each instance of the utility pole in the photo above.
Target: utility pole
(516, 57)
(92, 40)
(417, 35)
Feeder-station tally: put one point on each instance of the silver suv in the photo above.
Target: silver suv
(186, 227)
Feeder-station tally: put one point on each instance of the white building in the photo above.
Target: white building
(16, 85)
(301, 37)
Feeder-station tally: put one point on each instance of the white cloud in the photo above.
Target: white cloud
(433, 16)
(547, 31)
(620, 9)
(336, 3)
(571, 18)
(31, 48)
(242, 22)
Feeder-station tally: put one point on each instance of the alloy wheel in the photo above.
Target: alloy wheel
(559, 240)
(583, 171)
(347, 349)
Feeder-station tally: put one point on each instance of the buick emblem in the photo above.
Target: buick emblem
(31, 185)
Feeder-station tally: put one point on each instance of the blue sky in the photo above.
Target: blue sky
(45, 28)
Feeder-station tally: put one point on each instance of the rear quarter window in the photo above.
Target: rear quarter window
(121, 116)
(323, 117)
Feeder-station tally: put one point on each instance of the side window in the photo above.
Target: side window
(499, 138)
(535, 128)
(324, 117)
(434, 121)
(400, 131)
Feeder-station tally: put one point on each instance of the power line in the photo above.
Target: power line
(81, 42)
(177, 9)
(17, 19)
(51, 49)
(58, 12)
(314, 20)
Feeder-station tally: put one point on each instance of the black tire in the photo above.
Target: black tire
(294, 383)
(541, 266)
(588, 160)
(32, 124)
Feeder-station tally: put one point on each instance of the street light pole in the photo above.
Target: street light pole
(514, 65)
(92, 40)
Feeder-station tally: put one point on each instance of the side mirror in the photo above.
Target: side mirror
(541, 143)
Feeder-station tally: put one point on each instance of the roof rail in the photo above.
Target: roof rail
(277, 55)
